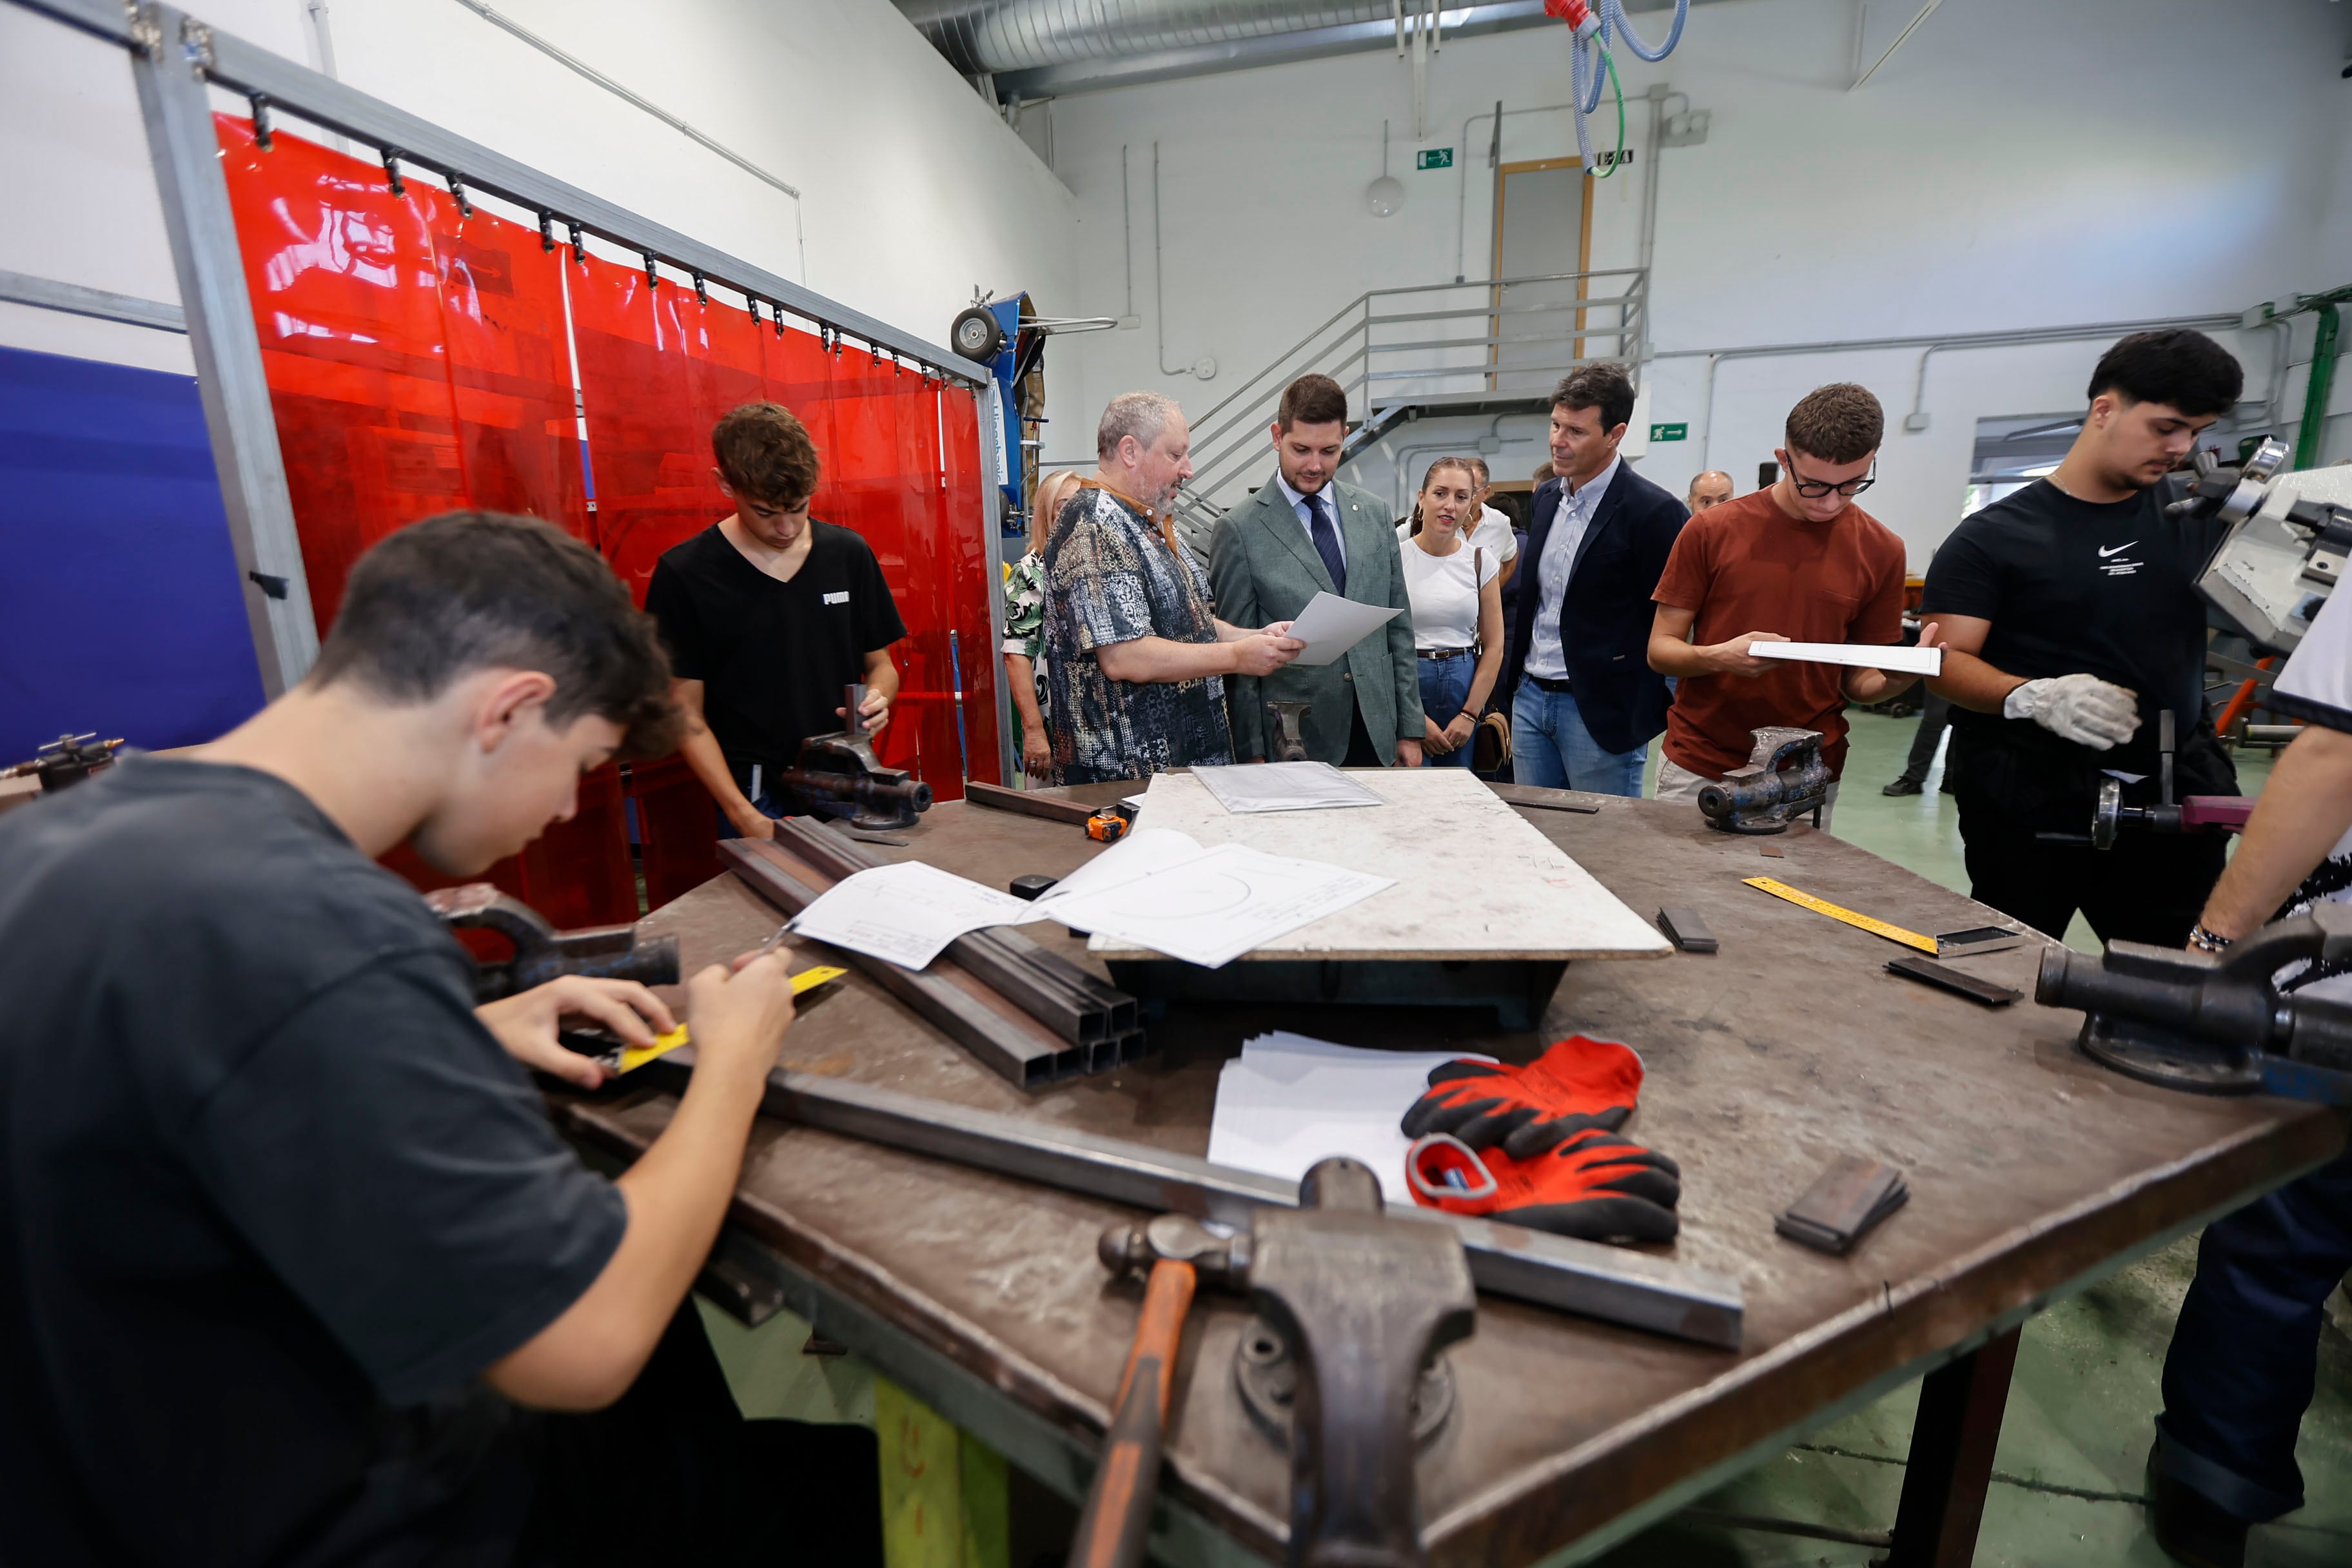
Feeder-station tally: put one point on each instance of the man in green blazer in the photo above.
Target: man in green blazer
(1305, 533)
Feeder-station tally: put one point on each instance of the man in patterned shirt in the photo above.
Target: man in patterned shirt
(1135, 660)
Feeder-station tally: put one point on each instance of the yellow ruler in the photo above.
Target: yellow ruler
(1860, 922)
(635, 1056)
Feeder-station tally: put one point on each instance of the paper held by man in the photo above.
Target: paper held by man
(1866, 656)
(1330, 625)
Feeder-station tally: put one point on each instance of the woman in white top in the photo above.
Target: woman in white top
(1457, 609)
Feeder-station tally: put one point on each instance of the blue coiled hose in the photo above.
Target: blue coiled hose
(1587, 67)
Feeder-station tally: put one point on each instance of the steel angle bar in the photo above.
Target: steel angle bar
(1080, 1007)
(74, 299)
(1627, 1288)
(296, 89)
(1006, 1041)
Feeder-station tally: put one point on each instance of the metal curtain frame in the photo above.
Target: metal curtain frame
(175, 59)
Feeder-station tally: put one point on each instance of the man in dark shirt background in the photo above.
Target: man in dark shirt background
(292, 1266)
(2071, 620)
(767, 614)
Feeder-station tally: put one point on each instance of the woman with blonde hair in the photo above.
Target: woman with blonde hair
(1024, 622)
(1457, 609)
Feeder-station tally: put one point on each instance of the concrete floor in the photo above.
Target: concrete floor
(2067, 1476)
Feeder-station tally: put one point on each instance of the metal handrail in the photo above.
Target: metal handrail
(1228, 435)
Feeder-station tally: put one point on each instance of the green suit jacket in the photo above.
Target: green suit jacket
(1264, 568)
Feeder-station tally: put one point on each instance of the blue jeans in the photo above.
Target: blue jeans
(2245, 1352)
(1445, 687)
(1551, 749)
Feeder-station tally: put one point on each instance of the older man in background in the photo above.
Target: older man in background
(1135, 663)
(1708, 491)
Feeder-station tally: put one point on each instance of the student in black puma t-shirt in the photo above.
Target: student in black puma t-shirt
(2070, 621)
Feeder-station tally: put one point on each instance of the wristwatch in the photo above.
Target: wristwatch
(2206, 940)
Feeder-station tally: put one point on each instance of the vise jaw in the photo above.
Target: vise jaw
(1362, 1304)
(2215, 1024)
(1785, 778)
(542, 953)
(1285, 730)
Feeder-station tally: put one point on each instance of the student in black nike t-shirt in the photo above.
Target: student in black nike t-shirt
(2070, 621)
(768, 614)
(293, 1269)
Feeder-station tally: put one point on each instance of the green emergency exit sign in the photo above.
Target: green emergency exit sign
(1434, 158)
(1670, 432)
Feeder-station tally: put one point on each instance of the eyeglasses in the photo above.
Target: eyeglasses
(1814, 490)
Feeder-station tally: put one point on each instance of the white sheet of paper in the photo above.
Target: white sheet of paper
(1912, 660)
(1211, 908)
(1283, 786)
(1330, 625)
(1289, 1101)
(907, 912)
(1141, 853)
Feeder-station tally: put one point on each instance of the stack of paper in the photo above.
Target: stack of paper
(1160, 890)
(1155, 888)
(1288, 1101)
(1283, 786)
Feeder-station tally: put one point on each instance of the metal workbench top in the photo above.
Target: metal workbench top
(2031, 1172)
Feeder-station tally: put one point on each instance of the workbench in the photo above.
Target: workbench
(2034, 1173)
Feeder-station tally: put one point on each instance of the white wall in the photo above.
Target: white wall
(913, 191)
(2018, 164)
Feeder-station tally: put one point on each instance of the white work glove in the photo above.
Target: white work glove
(2078, 708)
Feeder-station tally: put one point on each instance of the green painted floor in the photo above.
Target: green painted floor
(2067, 1476)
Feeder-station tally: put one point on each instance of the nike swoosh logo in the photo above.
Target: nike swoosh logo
(2118, 550)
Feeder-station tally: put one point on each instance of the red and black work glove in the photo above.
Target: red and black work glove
(1594, 1185)
(1578, 1085)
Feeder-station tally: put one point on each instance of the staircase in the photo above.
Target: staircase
(1436, 350)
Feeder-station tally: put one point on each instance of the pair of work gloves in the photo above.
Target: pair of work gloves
(1538, 1145)
(2078, 708)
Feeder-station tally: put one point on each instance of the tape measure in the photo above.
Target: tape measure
(1926, 944)
(631, 1058)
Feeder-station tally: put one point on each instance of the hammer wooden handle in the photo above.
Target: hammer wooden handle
(1118, 1514)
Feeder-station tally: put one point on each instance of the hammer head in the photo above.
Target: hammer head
(1363, 1303)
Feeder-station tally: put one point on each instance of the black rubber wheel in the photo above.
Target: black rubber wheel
(977, 334)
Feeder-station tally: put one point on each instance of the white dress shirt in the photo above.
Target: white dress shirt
(1544, 655)
(1328, 496)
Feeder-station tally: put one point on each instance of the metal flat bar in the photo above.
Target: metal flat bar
(48, 294)
(1545, 799)
(230, 382)
(1621, 1287)
(1004, 1040)
(296, 89)
(1028, 803)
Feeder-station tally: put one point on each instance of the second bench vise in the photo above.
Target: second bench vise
(1785, 778)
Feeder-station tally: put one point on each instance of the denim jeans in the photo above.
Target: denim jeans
(1445, 687)
(1551, 749)
(766, 806)
(2246, 1351)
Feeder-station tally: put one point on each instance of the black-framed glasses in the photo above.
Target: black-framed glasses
(1814, 490)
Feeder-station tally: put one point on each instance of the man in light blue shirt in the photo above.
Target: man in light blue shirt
(1585, 701)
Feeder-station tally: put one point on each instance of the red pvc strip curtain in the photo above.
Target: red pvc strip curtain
(658, 367)
(417, 363)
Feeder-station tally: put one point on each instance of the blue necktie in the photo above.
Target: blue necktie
(1327, 543)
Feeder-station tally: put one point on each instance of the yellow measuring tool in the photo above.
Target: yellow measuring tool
(1860, 922)
(635, 1056)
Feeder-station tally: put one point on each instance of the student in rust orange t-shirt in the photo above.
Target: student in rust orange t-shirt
(1797, 562)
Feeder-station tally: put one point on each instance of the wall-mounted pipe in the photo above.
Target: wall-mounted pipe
(2017, 337)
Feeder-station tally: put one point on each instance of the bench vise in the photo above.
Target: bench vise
(1785, 778)
(2214, 1023)
(1343, 1363)
(1286, 731)
(542, 953)
(840, 775)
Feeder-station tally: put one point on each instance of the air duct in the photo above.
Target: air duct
(1040, 49)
